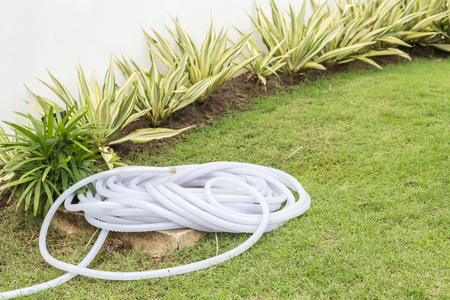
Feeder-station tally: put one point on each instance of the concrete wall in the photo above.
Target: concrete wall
(56, 34)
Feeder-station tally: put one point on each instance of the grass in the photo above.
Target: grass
(375, 160)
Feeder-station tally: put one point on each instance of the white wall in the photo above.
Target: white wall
(55, 34)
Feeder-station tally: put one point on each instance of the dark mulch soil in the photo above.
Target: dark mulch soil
(4, 199)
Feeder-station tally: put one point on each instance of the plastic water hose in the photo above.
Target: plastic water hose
(220, 196)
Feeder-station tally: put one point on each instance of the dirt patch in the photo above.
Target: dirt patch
(115, 245)
(4, 198)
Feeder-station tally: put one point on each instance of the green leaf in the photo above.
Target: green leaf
(392, 40)
(27, 194)
(109, 86)
(17, 165)
(443, 47)
(63, 162)
(313, 65)
(25, 132)
(16, 182)
(366, 60)
(46, 171)
(148, 134)
(61, 91)
(342, 52)
(37, 196)
(31, 172)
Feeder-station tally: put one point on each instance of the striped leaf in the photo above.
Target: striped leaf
(147, 134)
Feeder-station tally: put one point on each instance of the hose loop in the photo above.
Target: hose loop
(219, 196)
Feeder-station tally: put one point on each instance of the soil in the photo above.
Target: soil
(4, 199)
(236, 94)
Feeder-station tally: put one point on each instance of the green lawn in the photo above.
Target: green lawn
(375, 160)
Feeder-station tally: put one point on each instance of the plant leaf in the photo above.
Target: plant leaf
(148, 134)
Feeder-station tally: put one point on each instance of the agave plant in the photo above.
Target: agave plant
(158, 96)
(5, 155)
(443, 27)
(213, 60)
(409, 21)
(442, 41)
(111, 108)
(303, 41)
(357, 39)
(417, 19)
(49, 156)
(111, 158)
(264, 64)
(435, 23)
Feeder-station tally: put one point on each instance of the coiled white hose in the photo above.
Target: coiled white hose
(219, 196)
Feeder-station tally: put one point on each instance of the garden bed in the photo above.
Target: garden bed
(237, 94)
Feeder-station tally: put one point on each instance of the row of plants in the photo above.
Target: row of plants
(44, 156)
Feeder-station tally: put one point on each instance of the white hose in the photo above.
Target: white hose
(220, 196)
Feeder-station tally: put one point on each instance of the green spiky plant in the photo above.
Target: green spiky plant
(301, 42)
(214, 59)
(408, 20)
(159, 96)
(265, 64)
(359, 38)
(5, 155)
(436, 22)
(49, 156)
(111, 108)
